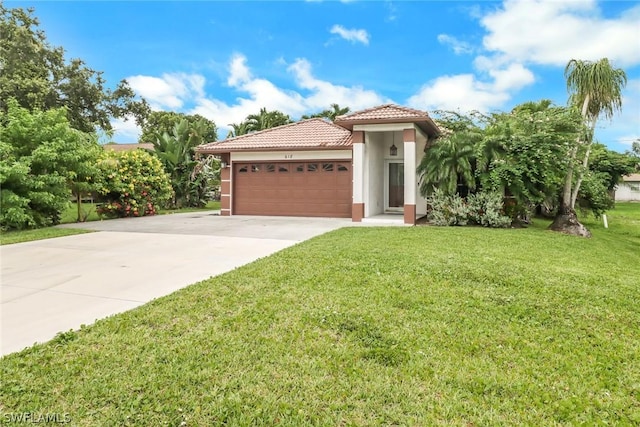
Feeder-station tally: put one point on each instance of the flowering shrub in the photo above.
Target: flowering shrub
(134, 183)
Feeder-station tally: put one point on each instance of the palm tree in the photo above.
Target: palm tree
(446, 162)
(330, 114)
(238, 129)
(595, 88)
(266, 119)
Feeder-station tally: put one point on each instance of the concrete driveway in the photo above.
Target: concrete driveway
(54, 285)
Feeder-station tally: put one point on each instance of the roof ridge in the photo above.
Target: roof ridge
(415, 111)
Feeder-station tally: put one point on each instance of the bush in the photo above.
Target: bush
(134, 183)
(447, 210)
(486, 209)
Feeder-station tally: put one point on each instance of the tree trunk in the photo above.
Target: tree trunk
(79, 206)
(585, 163)
(567, 222)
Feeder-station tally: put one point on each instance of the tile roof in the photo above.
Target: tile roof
(388, 113)
(631, 178)
(384, 112)
(128, 147)
(312, 133)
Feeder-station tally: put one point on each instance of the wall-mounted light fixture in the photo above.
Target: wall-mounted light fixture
(393, 150)
(223, 163)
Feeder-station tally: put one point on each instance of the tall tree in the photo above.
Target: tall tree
(238, 129)
(161, 122)
(37, 75)
(43, 161)
(596, 89)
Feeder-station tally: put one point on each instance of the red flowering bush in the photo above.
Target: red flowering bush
(134, 183)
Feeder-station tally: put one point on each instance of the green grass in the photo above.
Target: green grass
(211, 205)
(10, 237)
(369, 326)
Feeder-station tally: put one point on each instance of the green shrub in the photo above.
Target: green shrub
(134, 183)
(486, 209)
(447, 210)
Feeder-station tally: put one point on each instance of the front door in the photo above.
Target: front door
(395, 186)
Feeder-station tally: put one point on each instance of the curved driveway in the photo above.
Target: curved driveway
(54, 285)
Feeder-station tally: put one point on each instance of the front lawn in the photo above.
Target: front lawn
(368, 326)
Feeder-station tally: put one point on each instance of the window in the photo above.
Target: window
(300, 168)
(283, 168)
(327, 167)
(312, 167)
(271, 167)
(342, 168)
(243, 169)
(255, 168)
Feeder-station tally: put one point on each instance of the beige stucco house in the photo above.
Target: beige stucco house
(362, 166)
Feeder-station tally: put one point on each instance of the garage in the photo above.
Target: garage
(320, 188)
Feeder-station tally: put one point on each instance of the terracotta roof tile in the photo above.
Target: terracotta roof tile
(631, 178)
(312, 133)
(384, 112)
(389, 113)
(128, 147)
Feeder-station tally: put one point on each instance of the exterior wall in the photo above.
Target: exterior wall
(628, 191)
(409, 138)
(291, 155)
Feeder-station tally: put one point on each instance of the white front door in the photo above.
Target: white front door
(394, 186)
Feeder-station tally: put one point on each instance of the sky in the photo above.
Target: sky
(227, 59)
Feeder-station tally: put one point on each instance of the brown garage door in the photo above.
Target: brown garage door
(320, 188)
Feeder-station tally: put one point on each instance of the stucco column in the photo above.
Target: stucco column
(225, 186)
(409, 138)
(357, 207)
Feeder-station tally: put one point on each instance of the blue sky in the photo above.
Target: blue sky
(226, 60)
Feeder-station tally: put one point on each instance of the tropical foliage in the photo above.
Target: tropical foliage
(329, 114)
(160, 122)
(192, 179)
(256, 122)
(43, 160)
(39, 77)
(133, 183)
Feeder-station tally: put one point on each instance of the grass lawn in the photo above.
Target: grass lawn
(7, 238)
(368, 326)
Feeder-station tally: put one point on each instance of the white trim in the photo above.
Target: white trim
(256, 156)
(385, 185)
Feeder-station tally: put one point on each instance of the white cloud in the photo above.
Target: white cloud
(458, 46)
(352, 35)
(324, 93)
(311, 94)
(126, 131)
(465, 92)
(553, 32)
(168, 91)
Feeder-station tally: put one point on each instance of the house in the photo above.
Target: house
(361, 166)
(629, 189)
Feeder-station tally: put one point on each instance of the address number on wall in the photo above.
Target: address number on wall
(288, 156)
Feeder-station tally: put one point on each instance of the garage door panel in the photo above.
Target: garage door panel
(314, 188)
